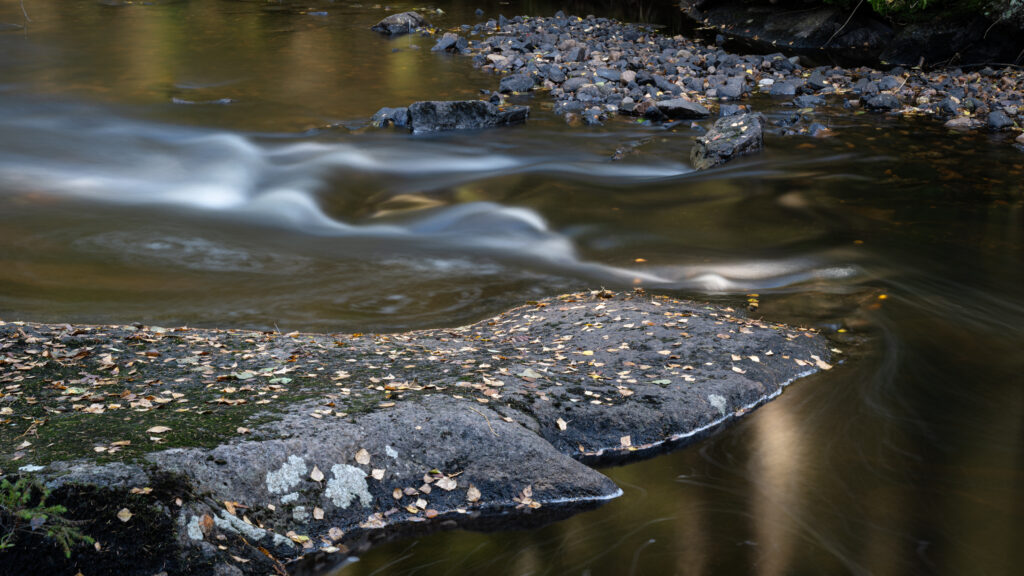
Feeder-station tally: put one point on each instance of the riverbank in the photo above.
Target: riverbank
(185, 450)
(596, 69)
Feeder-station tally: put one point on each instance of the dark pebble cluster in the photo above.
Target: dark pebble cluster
(597, 67)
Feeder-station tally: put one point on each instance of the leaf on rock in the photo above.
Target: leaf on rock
(446, 483)
(562, 425)
(363, 457)
(124, 515)
(318, 513)
(316, 475)
(473, 494)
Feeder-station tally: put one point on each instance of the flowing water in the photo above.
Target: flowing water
(208, 163)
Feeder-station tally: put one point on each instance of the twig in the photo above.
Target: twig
(25, 12)
(841, 28)
(486, 419)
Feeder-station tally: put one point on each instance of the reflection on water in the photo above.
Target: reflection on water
(213, 167)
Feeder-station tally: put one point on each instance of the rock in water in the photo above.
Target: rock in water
(390, 117)
(999, 120)
(882, 102)
(396, 24)
(729, 137)
(679, 108)
(516, 83)
(433, 116)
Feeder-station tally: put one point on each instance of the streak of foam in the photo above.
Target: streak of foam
(233, 176)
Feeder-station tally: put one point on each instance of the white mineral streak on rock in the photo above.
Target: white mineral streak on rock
(391, 452)
(287, 477)
(347, 484)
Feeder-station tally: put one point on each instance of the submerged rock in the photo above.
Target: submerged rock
(679, 108)
(403, 23)
(731, 136)
(342, 445)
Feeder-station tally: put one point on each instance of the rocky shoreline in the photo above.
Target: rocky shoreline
(233, 452)
(596, 69)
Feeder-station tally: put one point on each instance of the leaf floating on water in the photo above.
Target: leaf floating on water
(562, 425)
(158, 430)
(124, 515)
(473, 494)
(363, 457)
(316, 475)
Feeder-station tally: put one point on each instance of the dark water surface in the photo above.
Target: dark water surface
(207, 163)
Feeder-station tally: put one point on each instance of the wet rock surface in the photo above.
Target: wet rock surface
(251, 450)
(437, 116)
(402, 23)
(597, 68)
(730, 137)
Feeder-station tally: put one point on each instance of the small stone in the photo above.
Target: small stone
(963, 123)
(882, 102)
(783, 89)
(999, 120)
(516, 83)
(679, 108)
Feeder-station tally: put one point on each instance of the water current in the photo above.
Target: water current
(209, 163)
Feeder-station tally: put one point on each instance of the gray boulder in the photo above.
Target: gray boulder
(390, 117)
(731, 136)
(882, 102)
(403, 23)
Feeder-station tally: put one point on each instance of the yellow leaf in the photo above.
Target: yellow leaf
(124, 515)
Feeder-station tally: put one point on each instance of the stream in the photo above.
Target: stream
(208, 163)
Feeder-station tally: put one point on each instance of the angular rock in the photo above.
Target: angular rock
(451, 42)
(730, 137)
(402, 23)
(434, 116)
(516, 83)
(679, 108)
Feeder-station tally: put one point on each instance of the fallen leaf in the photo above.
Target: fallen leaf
(335, 533)
(363, 457)
(626, 441)
(562, 425)
(473, 494)
(738, 370)
(377, 473)
(318, 513)
(230, 507)
(446, 483)
(397, 494)
(124, 515)
(316, 475)
(158, 430)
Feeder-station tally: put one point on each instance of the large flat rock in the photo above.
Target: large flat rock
(237, 451)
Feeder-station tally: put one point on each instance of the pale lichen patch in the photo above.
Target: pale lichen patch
(194, 530)
(289, 498)
(391, 452)
(287, 477)
(718, 402)
(347, 484)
